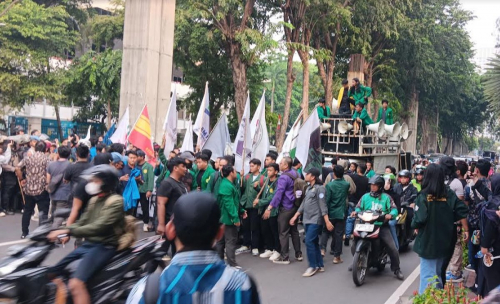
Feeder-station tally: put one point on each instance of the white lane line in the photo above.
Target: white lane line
(13, 243)
(403, 287)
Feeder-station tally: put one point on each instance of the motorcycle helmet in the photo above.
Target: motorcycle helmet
(404, 173)
(420, 170)
(377, 180)
(106, 173)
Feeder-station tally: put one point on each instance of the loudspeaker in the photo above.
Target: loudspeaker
(377, 128)
(344, 127)
(324, 126)
(392, 130)
(404, 131)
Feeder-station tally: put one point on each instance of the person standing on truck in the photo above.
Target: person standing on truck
(385, 113)
(323, 110)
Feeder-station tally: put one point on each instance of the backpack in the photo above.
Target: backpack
(128, 232)
(261, 181)
(298, 185)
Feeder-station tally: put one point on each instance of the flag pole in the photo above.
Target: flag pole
(244, 146)
(202, 116)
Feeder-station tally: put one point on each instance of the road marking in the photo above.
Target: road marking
(403, 287)
(13, 243)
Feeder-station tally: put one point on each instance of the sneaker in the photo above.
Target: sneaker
(470, 268)
(337, 260)
(242, 249)
(255, 252)
(346, 242)
(266, 254)
(166, 258)
(10, 212)
(310, 272)
(2, 214)
(145, 228)
(454, 278)
(274, 256)
(281, 260)
(321, 269)
(349, 268)
(323, 252)
(299, 257)
(399, 275)
(23, 236)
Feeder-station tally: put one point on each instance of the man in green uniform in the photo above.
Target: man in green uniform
(323, 110)
(361, 117)
(146, 187)
(359, 92)
(251, 186)
(228, 199)
(385, 113)
(203, 172)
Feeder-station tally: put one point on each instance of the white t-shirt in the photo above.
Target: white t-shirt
(457, 187)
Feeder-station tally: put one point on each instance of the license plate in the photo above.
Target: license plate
(364, 227)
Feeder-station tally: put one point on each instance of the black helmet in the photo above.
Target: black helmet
(106, 173)
(404, 173)
(377, 180)
(420, 170)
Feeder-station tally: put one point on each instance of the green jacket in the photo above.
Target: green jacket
(417, 185)
(148, 177)
(365, 118)
(164, 172)
(383, 202)
(434, 219)
(359, 97)
(321, 113)
(228, 198)
(101, 222)
(249, 192)
(336, 198)
(267, 197)
(370, 174)
(204, 179)
(389, 116)
(215, 180)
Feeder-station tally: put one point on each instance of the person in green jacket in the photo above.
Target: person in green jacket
(269, 224)
(323, 110)
(359, 93)
(252, 183)
(102, 225)
(385, 113)
(203, 172)
(381, 202)
(337, 192)
(216, 178)
(361, 117)
(369, 170)
(437, 208)
(146, 187)
(228, 199)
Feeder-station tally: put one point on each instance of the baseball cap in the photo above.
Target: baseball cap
(117, 157)
(187, 155)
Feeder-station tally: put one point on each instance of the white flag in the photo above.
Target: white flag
(290, 143)
(170, 125)
(202, 124)
(308, 152)
(120, 135)
(187, 144)
(218, 139)
(242, 146)
(258, 128)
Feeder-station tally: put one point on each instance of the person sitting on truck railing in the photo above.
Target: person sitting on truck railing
(361, 117)
(323, 110)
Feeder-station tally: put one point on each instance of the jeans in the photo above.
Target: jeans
(392, 226)
(392, 251)
(94, 256)
(251, 229)
(349, 224)
(285, 230)
(144, 207)
(336, 233)
(473, 249)
(270, 233)
(43, 203)
(312, 245)
(429, 269)
(228, 242)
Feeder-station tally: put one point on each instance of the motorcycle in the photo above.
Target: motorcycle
(368, 251)
(24, 281)
(405, 236)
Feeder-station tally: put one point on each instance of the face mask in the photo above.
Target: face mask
(189, 166)
(93, 188)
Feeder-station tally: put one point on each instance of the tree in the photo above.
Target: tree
(492, 83)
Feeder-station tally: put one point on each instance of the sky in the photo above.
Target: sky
(483, 28)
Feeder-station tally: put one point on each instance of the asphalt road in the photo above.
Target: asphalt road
(283, 284)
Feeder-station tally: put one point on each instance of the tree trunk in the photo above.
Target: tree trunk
(410, 145)
(424, 131)
(290, 78)
(304, 57)
(239, 68)
(108, 125)
(58, 118)
(272, 96)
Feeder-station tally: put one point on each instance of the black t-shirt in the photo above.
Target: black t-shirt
(199, 176)
(74, 171)
(171, 189)
(362, 187)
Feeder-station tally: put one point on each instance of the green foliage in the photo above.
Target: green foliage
(486, 143)
(492, 83)
(31, 36)
(92, 82)
(471, 142)
(450, 294)
(106, 28)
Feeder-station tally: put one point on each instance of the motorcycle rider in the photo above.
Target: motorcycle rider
(376, 200)
(406, 192)
(100, 225)
(419, 177)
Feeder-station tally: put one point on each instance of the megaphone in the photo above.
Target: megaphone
(377, 128)
(404, 131)
(344, 127)
(324, 126)
(409, 133)
(392, 130)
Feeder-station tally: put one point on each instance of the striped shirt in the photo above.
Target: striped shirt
(200, 277)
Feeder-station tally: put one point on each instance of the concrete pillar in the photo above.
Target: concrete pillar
(148, 42)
